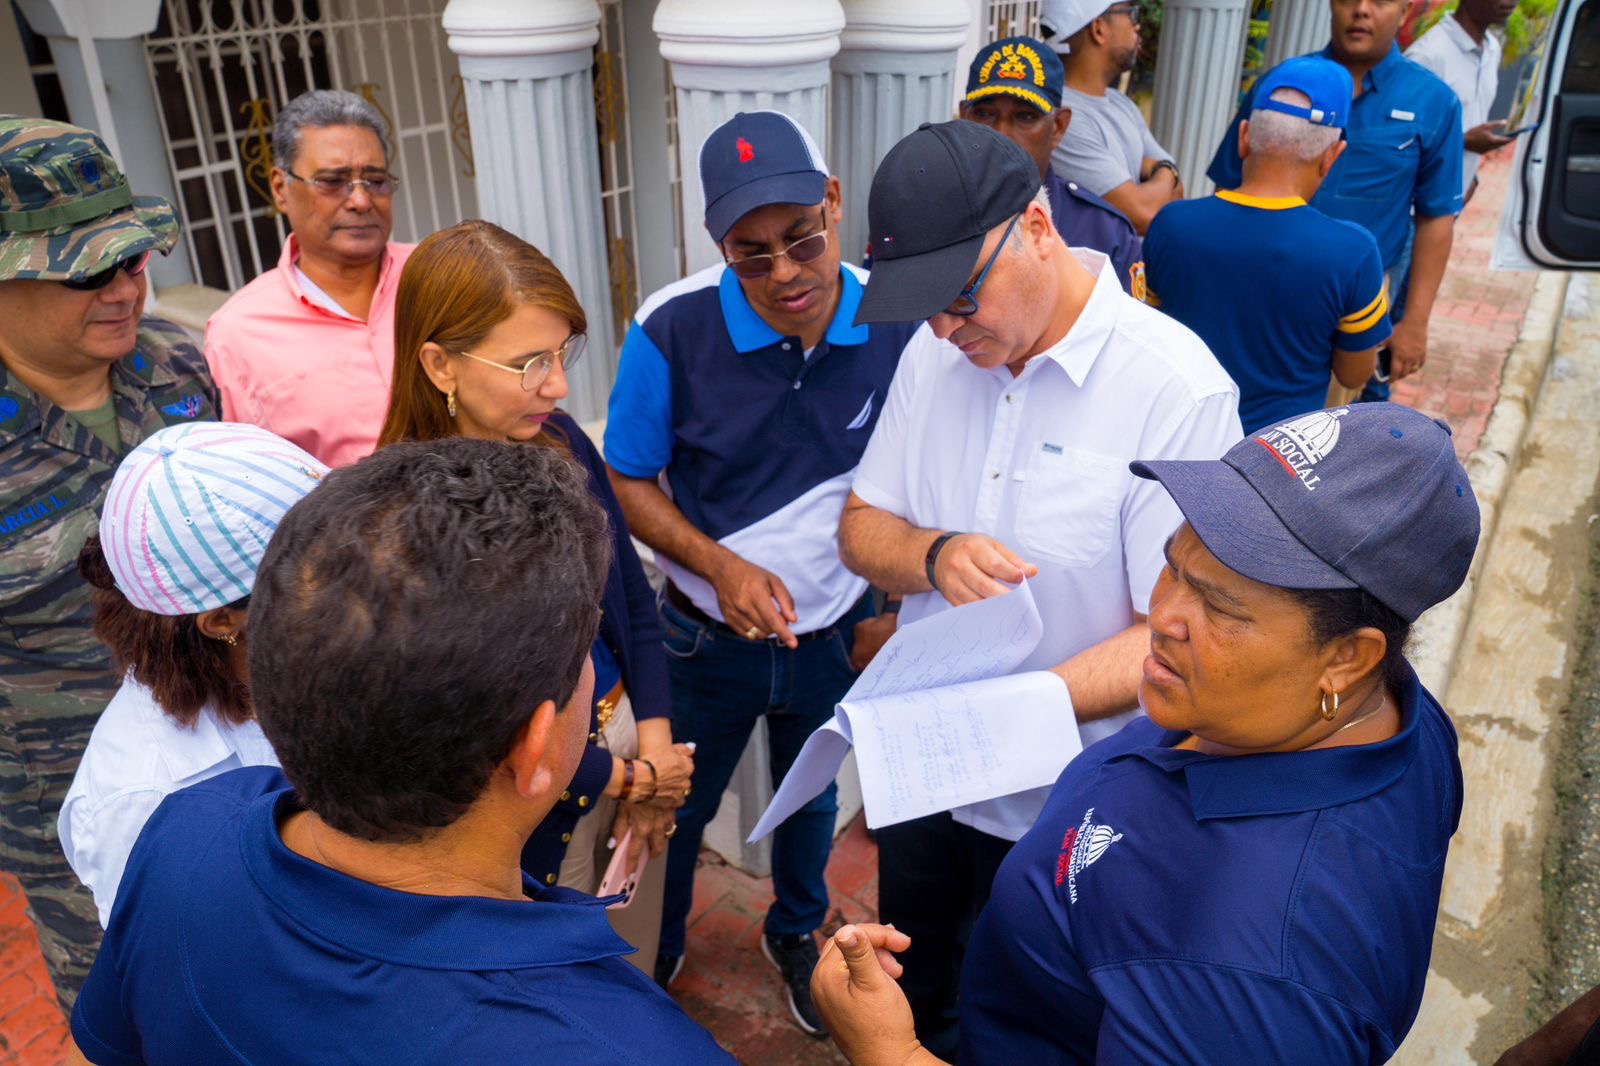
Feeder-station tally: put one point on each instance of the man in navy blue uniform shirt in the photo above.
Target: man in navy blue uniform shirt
(1014, 87)
(750, 388)
(1403, 162)
(1280, 292)
(421, 628)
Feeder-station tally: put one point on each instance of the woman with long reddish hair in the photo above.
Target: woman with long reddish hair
(485, 328)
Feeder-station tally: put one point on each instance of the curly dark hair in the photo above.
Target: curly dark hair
(411, 614)
(182, 667)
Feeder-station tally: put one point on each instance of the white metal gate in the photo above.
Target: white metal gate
(1012, 18)
(221, 70)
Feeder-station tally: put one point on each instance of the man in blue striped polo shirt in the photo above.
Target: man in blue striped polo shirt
(751, 389)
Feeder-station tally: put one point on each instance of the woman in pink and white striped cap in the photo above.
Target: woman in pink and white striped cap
(184, 527)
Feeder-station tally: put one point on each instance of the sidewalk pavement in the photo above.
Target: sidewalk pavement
(727, 984)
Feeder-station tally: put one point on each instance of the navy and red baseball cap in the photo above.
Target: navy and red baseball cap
(934, 198)
(754, 159)
(1324, 82)
(1369, 496)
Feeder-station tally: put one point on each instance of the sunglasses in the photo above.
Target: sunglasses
(133, 264)
(804, 250)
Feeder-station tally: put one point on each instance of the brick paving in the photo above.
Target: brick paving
(727, 984)
(1476, 319)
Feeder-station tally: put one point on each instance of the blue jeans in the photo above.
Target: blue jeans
(720, 686)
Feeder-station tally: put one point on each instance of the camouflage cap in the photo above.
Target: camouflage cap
(65, 207)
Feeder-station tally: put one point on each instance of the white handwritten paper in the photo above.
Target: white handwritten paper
(938, 721)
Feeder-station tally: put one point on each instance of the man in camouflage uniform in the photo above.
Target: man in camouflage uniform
(84, 376)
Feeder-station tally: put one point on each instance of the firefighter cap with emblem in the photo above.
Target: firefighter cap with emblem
(1017, 66)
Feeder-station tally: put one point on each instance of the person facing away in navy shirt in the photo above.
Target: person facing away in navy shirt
(421, 628)
(1014, 88)
(1403, 165)
(1280, 292)
(1252, 873)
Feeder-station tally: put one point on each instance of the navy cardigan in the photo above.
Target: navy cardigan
(632, 630)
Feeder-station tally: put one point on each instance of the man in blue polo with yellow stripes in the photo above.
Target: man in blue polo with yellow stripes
(1280, 292)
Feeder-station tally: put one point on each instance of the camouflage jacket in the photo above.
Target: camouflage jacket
(54, 474)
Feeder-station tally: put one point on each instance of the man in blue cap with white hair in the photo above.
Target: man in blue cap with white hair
(748, 392)
(1280, 292)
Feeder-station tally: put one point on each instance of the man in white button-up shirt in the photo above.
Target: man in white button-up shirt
(1002, 452)
(1466, 57)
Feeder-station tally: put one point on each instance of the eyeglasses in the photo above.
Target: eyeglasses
(1131, 10)
(965, 305)
(379, 185)
(536, 370)
(804, 250)
(133, 264)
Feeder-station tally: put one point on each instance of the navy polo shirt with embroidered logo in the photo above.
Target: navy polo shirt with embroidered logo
(225, 946)
(1404, 154)
(757, 439)
(1172, 906)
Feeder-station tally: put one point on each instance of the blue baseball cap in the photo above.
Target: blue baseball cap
(1369, 496)
(1325, 82)
(754, 159)
(1017, 66)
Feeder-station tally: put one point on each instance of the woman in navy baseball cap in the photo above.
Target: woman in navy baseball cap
(1251, 874)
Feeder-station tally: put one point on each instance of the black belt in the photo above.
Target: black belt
(684, 606)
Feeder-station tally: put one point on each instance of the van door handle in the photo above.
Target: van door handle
(1583, 164)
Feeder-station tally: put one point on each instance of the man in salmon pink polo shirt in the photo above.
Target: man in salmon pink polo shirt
(306, 350)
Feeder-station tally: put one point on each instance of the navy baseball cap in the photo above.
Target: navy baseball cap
(935, 197)
(754, 159)
(1017, 66)
(1326, 83)
(1369, 496)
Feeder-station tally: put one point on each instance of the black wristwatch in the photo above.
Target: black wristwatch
(1167, 164)
(933, 555)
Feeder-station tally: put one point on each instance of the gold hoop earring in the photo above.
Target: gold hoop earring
(231, 641)
(1327, 715)
(450, 403)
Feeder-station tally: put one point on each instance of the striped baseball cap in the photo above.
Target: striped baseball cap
(191, 509)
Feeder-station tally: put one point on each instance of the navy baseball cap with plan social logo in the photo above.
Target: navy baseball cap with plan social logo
(1369, 496)
(754, 159)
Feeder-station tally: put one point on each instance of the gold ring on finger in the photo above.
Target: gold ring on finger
(671, 829)
(752, 633)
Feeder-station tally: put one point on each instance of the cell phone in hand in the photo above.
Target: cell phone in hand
(619, 880)
(1385, 361)
(1520, 130)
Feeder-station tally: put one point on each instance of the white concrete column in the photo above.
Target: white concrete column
(1296, 27)
(895, 70)
(1197, 82)
(530, 103)
(729, 56)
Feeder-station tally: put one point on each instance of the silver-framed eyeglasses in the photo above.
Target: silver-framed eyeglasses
(377, 183)
(965, 305)
(805, 250)
(537, 369)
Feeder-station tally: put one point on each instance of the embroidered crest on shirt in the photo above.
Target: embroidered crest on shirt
(1081, 848)
(1303, 443)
